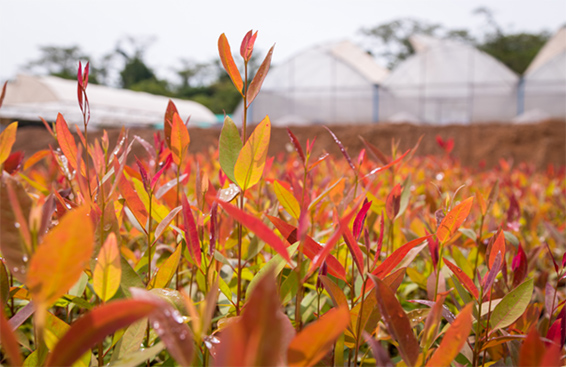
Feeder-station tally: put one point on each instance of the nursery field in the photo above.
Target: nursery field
(264, 250)
(476, 146)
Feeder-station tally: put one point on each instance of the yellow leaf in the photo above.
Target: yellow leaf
(167, 270)
(7, 140)
(108, 271)
(287, 199)
(251, 160)
(61, 258)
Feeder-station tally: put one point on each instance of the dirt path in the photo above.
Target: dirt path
(540, 144)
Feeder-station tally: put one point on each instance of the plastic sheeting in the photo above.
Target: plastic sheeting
(29, 97)
(449, 82)
(333, 83)
(545, 80)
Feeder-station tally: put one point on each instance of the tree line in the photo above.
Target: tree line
(205, 82)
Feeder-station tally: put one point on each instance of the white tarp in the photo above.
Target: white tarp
(545, 79)
(449, 82)
(333, 83)
(29, 97)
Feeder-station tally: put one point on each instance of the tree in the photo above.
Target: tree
(63, 62)
(390, 41)
(515, 50)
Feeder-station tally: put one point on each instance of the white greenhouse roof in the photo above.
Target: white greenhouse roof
(446, 62)
(553, 48)
(28, 97)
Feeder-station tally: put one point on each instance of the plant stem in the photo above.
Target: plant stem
(149, 239)
(359, 331)
(439, 265)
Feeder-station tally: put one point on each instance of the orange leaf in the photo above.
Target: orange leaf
(7, 140)
(66, 141)
(395, 258)
(454, 220)
(532, 350)
(396, 321)
(168, 121)
(251, 160)
(93, 327)
(133, 201)
(180, 139)
(497, 247)
(317, 339)
(229, 64)
(60, 260)
(464, 279)
(454, 339)
(259, 336)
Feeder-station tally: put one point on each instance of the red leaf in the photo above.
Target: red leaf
(519, 267)
(352, 244)
(191, 233)
(297, 145)
(454, 220)
(497, 247)
(396, 321)
(8, 339)
(229, 64)
(261, 230)
(255, 85)
(360, 218)
(247, 47)
(311, 247)
(93, 327)
(393, 202)
(464, 279)
(342, 149)
(395, 258)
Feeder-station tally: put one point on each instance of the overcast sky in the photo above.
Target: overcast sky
(190, 29)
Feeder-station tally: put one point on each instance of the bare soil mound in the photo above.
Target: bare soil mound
(479, 144)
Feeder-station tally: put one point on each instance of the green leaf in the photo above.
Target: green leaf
(287, 200)
(251, 160)
(512, 306)
(229, 147)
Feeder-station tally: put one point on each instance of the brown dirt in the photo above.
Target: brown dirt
(540, 144)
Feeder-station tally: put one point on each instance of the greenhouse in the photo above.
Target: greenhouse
(332, 83)
(28, 97)
(445, 82)
(544, 82)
